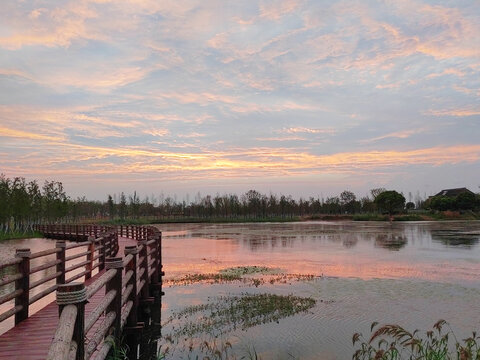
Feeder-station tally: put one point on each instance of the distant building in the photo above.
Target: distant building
(453, 192)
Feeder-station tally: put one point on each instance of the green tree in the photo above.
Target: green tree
(466, 201)
(111, 207)
(348, 201)
(390, 201)
(410, 205)
(442, 203)
(122, 207)
(377, 191)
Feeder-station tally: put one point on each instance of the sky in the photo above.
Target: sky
(307, 98)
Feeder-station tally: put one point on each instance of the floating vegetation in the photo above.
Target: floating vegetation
(241, 273)
(228, 313)
(248, 270)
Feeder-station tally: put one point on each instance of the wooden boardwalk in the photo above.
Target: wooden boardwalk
(31, 338)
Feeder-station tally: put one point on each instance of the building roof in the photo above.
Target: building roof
(453, 192)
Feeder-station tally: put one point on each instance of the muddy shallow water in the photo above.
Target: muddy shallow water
(412, 274)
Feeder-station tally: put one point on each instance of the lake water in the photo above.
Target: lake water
(411, 274)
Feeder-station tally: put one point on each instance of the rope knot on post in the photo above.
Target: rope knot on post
(71, 296)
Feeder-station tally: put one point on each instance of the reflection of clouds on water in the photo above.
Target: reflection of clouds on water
(258, 237)
(358, 249)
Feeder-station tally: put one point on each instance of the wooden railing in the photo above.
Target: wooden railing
(131, 284)
(72, 262)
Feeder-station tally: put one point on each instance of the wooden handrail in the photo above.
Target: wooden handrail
(24, 271)
(130, 283)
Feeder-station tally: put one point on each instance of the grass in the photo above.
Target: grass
(272, 276)
(189, 220)
(20, 235)
(198, 331)
(393, 342)
(424, 216)
(227, 313)
(400, 217)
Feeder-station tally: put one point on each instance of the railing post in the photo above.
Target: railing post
(161, 273)
(144, 265)
(23, 284)
(132, 330)
(110, 244)
(157, 286)
(154, 279)
(90, 255)
(115, 237)
(102, 252)
(106, 242)
(61, 265)
(115, 284)
(75, 294)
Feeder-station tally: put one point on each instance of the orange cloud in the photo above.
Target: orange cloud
(89, 160)
(19, 134)
(471, 111)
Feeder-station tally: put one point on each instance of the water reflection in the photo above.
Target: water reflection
(426, 250)
(454, 238)
(391, 241)
(407, 273)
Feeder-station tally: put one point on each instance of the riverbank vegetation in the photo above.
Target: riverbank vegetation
(19, 235)
(393, 342)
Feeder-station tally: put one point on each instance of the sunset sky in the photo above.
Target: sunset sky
(297, 97)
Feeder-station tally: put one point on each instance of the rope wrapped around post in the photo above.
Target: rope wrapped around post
(72, 297)
(71, 300)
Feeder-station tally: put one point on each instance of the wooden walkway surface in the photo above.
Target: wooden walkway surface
(31, 339)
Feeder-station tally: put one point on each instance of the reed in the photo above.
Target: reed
(393, 342)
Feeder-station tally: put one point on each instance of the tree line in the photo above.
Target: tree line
(24, 203)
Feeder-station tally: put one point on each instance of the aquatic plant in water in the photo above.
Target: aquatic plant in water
(393, 342)
(228, 313)
(240, 273)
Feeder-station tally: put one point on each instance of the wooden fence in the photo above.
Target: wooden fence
(94, 251)
(132, 284)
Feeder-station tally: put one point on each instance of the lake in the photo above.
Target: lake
(411, 274)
